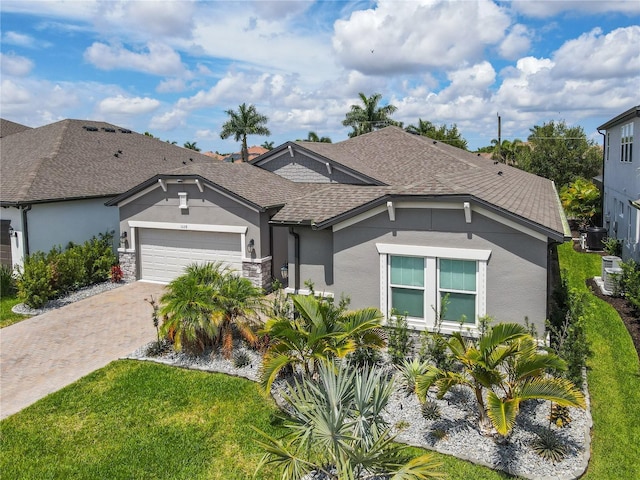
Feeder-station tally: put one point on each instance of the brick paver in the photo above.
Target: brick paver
(45, 353)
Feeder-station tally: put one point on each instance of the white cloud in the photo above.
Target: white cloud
(594, 55)
(415, 36)
(150, 19)
(18, 39)
(127, 105)
(13, 95)
(171, 85)
(158, 59)
(516, 43)
(550, 8)
(169, 120)
(15, 65)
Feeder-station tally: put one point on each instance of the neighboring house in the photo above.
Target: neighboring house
(389, 219)
(55, 180)
(621, 181)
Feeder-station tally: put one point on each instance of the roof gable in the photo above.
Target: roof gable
(7, 127)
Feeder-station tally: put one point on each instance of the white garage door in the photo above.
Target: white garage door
(165, 253)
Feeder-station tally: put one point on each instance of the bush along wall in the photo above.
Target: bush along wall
(45, 276)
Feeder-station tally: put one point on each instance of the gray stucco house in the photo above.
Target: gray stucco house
(55, 180)
(390, 219)
(621, 182)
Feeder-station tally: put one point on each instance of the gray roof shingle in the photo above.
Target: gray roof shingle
(7, 127)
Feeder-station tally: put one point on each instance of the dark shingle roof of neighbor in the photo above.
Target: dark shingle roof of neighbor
(416, 165)
(7, 127)
(65, 160)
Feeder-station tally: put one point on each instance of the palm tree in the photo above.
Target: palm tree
(335, 428)
(507, 364)
(313, 137)
(508, 151)
(449, 135)
(191, 146)
(318, 333)
(208, 305)
(370, 117)
(267, 145)
(246, 121)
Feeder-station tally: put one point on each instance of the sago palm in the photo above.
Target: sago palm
(507, 365)
(319, 332)
(336, 428)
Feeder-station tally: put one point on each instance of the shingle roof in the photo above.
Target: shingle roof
(416, 165)
(65, 160)
(7, 127)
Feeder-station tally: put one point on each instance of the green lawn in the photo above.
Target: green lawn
(613, 376)
(7, 317)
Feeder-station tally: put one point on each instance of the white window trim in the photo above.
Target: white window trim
(480, 293)
(431, 254)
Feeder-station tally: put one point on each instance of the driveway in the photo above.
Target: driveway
(41, 355)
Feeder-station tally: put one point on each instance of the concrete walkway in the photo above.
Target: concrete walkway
(41, 355)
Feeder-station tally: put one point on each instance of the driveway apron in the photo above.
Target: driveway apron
(41, 355)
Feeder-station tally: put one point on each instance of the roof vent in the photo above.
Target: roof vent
(125, 130)
(90, 128)
(109, 129)
(184, 163)
(500, 173)
(190, 159)
(434, 142)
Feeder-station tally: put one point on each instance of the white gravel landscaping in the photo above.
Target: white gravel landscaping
(455, 432)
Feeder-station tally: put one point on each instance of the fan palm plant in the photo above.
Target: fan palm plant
(320, 331)
(507, 365)
(336, 428)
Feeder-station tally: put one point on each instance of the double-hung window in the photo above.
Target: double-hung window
(626, 143)
(424, 283)
(457, 290)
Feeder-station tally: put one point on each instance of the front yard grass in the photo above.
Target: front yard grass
(613, 375)
(7, 317)
(143, 420)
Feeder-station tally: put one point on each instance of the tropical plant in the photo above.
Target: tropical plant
(369, 117)
(409, 371)
(442, 133)
(191, 146)
(506, 365)
(581, 201)
(246, 121)
(313, 137)
(508, 151)
(319, 332)
(336, 429)
(549, 446)
(430, 410)
(612, 246)
(267, 145)
(206, 306)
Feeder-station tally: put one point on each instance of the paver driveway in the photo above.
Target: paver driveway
(45, 353)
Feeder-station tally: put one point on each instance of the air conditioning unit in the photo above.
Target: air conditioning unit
(612, 276)
(609, 261)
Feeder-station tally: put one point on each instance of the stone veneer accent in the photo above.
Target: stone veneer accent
(259, 273)
(128, 265)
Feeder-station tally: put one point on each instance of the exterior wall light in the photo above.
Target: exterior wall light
(251, 247)
(284, 271)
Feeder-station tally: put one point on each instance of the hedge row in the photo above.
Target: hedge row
(45, 276)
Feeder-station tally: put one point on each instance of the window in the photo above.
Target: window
(416, 279)
(407, 285)
(626, 143)
(607, 145)
(457, 284)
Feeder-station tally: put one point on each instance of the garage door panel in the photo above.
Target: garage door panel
(164, 254)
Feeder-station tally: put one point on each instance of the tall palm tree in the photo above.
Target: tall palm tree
(313, 137)
(317, 334)
(268, 145)
(507, 365)
(370, 116)
(246, 121)
(508, 151)
(335, 428)
(191, 146)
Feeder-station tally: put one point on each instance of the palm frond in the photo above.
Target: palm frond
(502, 412)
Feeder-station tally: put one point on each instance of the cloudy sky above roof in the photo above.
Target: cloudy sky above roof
(173, 68)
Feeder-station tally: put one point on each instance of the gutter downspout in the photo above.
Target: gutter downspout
(296, 250)
(25, 229)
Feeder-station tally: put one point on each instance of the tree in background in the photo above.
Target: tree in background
(509, 151)
(191, 146)
(370, 116)
(267, 145)
(313, 137)
(442, 133)
(560, 153)
(580, 200)
(246, 121)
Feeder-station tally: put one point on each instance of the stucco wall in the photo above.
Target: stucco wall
(516, 270)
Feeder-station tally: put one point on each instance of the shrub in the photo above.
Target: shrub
(68, 269)
(630, 283)
(612, 246)
(98, 257)
(7, 282)
(241, 359)
(430, 410)
(116, 274)
(409, 372)
(398, 346)
(35, 284)
(559, 415)
(549, 446)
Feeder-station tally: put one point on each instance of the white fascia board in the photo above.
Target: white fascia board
(434, 252)
(195, 227)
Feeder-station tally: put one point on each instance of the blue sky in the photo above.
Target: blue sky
(174, 67)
